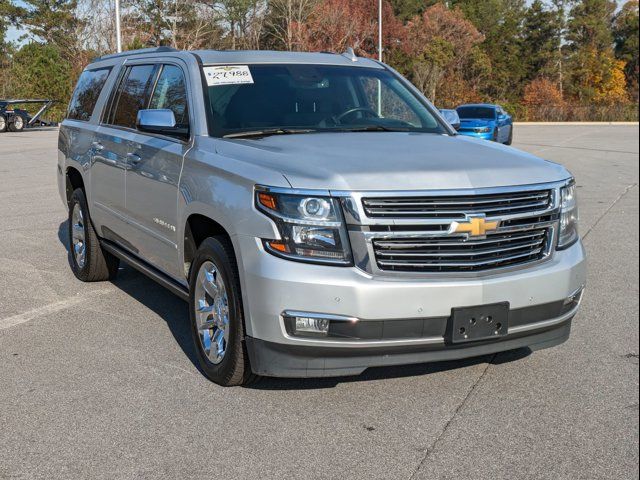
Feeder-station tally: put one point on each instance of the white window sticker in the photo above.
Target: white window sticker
(228, 75)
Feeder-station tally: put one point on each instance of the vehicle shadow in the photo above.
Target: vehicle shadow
(174, 311)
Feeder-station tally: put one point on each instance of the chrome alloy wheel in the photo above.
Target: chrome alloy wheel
(212, 312)
(78, 242)
(3, 123)
(18, 122)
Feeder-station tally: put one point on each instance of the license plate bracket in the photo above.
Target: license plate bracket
(482, 322)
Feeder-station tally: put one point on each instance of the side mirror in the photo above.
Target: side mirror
(452, 117)
(161, 121)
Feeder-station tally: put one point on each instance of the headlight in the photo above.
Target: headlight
(568, 216)
(311, 227)
(483, 129)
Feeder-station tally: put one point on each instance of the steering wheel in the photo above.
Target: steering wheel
(372, 113)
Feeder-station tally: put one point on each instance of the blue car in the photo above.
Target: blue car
(486, 121)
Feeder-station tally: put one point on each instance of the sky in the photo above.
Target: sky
(12, 33)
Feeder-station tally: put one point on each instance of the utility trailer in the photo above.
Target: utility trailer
(16, 119)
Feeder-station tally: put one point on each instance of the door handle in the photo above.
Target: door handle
(133, 158)
(97, 146)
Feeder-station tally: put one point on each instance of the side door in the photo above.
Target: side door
(112, 146)
(153, 174)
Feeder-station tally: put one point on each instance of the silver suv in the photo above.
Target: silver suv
(316, 211)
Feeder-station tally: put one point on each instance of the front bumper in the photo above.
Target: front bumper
(271, 286)
(483, 136)
(278, 360)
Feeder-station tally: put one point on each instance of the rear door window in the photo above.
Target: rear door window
(86, 94)
(132, 95)
(170, 93)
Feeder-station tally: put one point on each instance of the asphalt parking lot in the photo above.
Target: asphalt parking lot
(98, 380)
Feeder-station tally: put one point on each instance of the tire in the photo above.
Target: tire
(18, 124)
(3, 123)
(510, 139)
(89, 262)
(495, 135)
(221, 350)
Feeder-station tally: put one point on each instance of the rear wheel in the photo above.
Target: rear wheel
(3, 123)
(215, 310)
(18, 123)
(89, 262)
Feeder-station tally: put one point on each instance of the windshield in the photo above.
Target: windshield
(273, 99)
(476, 112)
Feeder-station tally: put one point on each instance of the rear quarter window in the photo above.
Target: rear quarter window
(86, 94)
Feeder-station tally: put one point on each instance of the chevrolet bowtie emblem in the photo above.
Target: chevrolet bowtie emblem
(474, 226)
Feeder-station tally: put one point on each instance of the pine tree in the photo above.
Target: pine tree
(625, 32)
(542, 35)
(52, 22)
(590, 25)
(4, 65)
(500, 21)
(590, 46)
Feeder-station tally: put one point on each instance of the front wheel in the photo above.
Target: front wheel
(215, 310)
(3, 123)
(510, 138)
(495, 135)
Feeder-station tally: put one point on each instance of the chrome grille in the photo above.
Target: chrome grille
(455, 207)
(457, 254)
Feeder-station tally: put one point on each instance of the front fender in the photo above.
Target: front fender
(222, 189)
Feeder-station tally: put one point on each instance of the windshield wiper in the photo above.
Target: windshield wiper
(290, 131)
(269, 131)
(375, 128)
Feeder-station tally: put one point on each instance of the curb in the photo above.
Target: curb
(577, 123)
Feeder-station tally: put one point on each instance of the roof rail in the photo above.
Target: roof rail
(135, 52)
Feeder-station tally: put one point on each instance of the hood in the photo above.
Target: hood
(476, 122)
(391, 161)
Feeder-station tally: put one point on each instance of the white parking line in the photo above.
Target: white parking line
(54, 307)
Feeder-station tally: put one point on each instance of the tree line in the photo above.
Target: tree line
(542, 60)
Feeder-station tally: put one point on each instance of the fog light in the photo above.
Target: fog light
(318, 326)
(312, 324)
